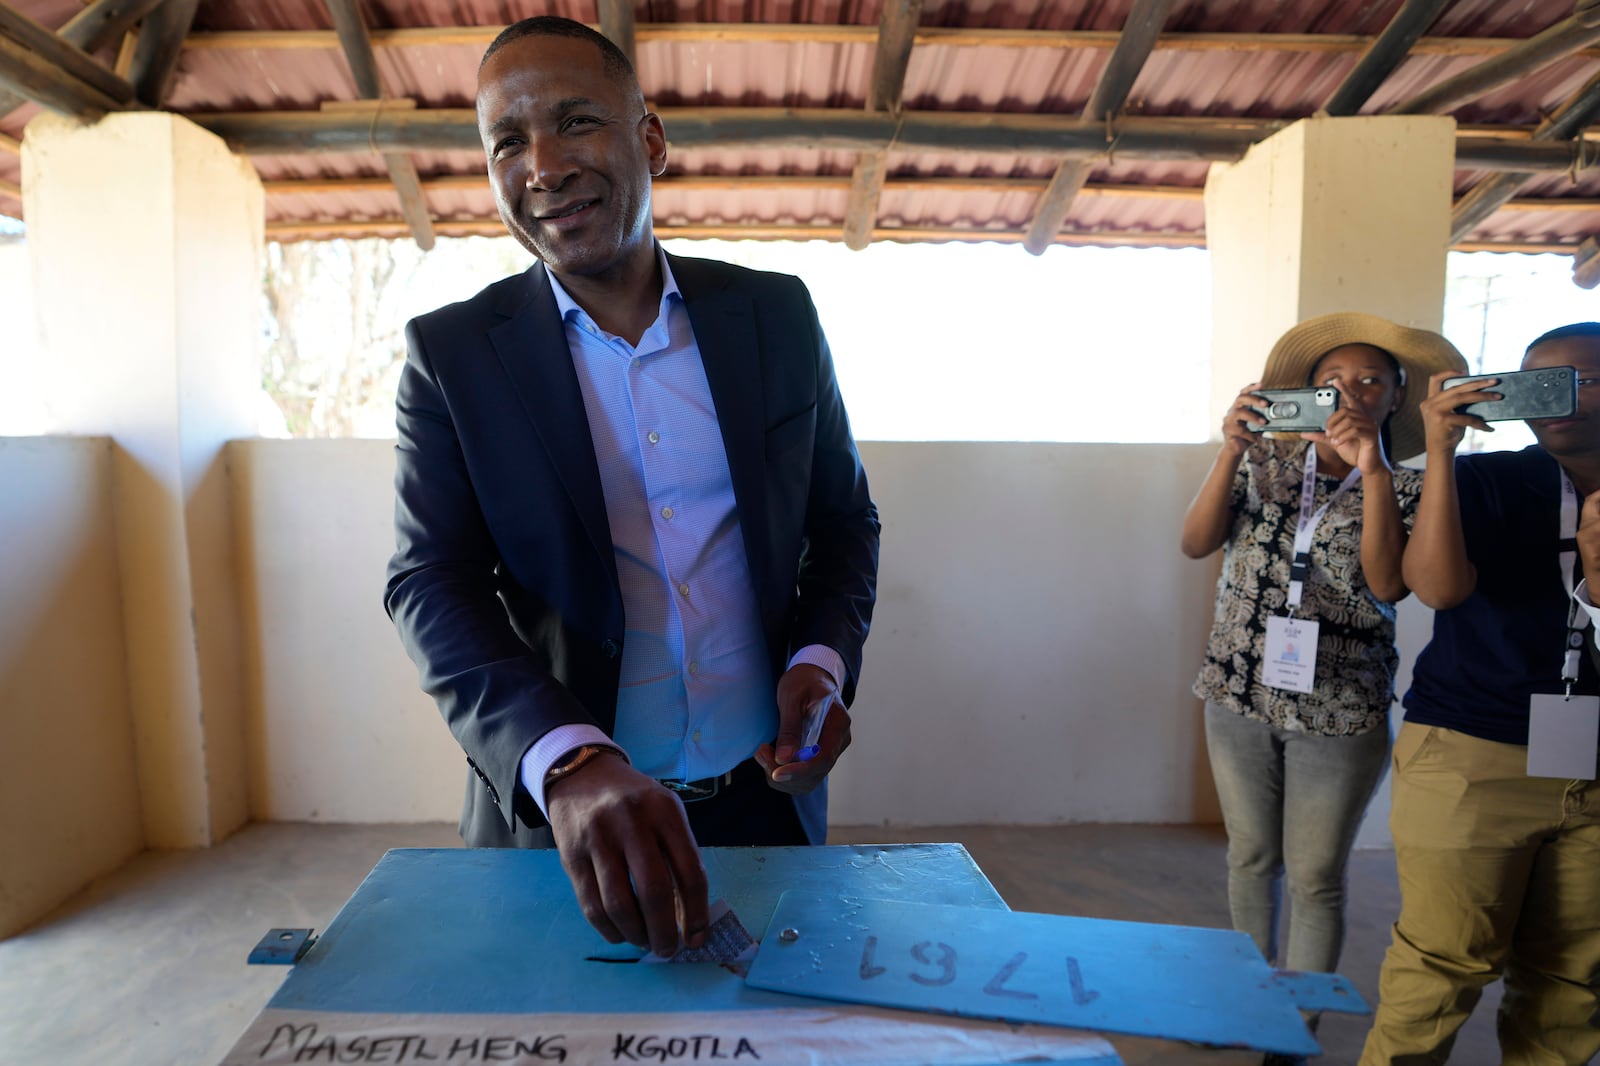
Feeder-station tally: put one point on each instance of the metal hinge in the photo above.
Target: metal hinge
(281, 947)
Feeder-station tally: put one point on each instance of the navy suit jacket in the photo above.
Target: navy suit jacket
(503, 584)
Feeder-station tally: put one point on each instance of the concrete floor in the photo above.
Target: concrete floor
(146, 967)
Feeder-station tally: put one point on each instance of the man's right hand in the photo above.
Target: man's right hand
(632, 859)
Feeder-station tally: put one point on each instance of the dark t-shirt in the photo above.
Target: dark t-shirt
(1505, 641)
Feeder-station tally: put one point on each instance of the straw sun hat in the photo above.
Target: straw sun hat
(1420, 353)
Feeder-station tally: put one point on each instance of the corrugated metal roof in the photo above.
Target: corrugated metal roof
(1281, 76)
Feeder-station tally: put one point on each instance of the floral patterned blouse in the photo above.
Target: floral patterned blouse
(1356, 657)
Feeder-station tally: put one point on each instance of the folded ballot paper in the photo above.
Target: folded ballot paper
(727, 941)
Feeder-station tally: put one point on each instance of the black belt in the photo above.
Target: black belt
(699, 789)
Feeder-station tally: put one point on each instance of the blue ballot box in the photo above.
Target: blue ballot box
(477, 955)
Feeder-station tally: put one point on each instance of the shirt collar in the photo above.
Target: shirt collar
(568, 307)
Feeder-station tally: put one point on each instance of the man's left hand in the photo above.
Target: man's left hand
(802, 685)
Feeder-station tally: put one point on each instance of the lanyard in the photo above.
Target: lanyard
(1300, 567)
(1577, 617)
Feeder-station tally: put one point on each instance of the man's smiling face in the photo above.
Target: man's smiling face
(571, 151)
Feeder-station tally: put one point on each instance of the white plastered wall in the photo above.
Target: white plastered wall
(147, 291)
(69, 795)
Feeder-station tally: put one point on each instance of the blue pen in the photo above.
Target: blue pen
(816, 714)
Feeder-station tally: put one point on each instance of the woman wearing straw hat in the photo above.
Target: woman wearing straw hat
(1299, 670)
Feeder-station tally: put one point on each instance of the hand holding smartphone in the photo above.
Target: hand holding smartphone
(1550, 392)
(1303, 410)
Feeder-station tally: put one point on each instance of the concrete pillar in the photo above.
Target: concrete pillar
(1330, 214)
(145, 238)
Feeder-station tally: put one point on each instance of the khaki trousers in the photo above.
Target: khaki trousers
(1499, 875)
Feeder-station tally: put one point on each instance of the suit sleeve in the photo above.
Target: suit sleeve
(496, 696)
(838, 573)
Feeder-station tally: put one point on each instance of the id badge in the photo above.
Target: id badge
(1291, 654)
(1563, 734)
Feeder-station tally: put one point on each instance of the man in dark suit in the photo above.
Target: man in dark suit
(635, 547)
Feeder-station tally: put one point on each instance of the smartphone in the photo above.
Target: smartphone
(1548, 393)
(1295, 410)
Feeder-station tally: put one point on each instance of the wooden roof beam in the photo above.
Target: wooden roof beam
(11, 189)
(10, 144)
(1586, 264)
(71, 59)
(1133, 49)
(1138, 136)
(155, 55)
(352, 30)
(864, 36)
(616, 22)
(1490, 194)
(413, 201)
(477, 182)
(1580, 29)
(734, 231)
(455, 129)
(897, 31)
(357, 48)
(25, 73)
(91, 30)
(1386, 53)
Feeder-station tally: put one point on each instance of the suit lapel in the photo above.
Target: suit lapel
(532, 346)
(725, 331)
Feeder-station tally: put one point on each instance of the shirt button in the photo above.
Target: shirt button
(666, 512)
(683, 588)
(694, 668)
(653, 437)
(696, 737)
(634, 363)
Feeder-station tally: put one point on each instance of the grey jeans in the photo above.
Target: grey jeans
(1292, 802)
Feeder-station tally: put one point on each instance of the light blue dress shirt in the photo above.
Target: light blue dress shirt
(696, 696)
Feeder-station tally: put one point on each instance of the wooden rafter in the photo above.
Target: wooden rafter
(25, 73)
(1387, 52)
(54, 50)
(1564, 38)
(91, 30)
(781, 33)
(616, 22)
(1488, 195)
(896, 37)
(1138, 39)
(10, 144)
(1586, 264)
(11, 189)
(155, 55)
(352, 30)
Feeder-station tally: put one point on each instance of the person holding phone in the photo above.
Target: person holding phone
(1496, 813)
(1299, 669)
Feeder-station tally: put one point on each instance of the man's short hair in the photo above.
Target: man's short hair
(1576, 329)
(617, 66)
